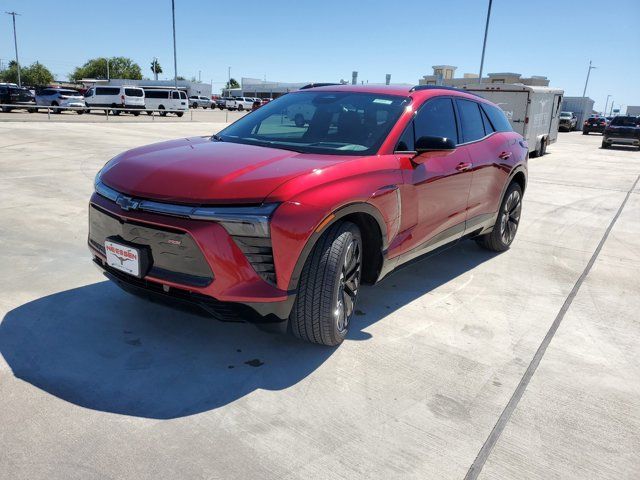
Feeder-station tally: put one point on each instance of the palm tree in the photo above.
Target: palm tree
(156, 68)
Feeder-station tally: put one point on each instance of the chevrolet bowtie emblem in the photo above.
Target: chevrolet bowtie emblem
(127, 203)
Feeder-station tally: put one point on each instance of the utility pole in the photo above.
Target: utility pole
(605, 105)
(484, 43)
(175, 58)
(108, 74)
(15, 43)
(584, 92)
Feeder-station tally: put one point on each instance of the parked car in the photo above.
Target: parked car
(167, 100)
(243, 103)
(12, 94)
(568, 121)
(256, 105)
(199, 101)
(112, 97)
(594, 124)
(230, 103)
(61, 99)
(221, 103)
(272, 223)
(623, 130)
(266, 100)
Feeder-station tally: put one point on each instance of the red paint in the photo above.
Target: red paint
(415, 201)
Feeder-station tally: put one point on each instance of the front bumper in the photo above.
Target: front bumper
(192, 261)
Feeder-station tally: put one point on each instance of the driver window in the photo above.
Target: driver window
(436, 118)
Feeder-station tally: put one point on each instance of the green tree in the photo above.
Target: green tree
(180, 77)
(119, 67)
(34, 75)
(233, 83)
(156, 68)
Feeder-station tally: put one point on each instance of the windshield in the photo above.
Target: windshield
(566, 114)
(338, 123)
(70, 93)
(626, 121)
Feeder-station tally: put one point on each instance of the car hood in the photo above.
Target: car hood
(201, 171)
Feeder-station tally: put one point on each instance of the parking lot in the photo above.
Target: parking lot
(440, 361)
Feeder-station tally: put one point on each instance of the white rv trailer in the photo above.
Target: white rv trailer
(532, 111)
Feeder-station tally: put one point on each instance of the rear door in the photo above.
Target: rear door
(489, 150)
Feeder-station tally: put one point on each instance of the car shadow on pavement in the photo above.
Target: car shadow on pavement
(100, 348)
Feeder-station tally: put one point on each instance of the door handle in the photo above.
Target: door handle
(464, 166)
(504, 155)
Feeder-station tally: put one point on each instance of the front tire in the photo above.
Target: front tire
(506, 226)
(328, 287)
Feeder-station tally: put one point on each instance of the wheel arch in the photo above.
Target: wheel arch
(374, 239)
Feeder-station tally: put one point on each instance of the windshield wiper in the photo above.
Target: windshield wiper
(217, 137)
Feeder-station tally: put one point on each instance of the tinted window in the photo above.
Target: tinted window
(498, 119)
(436, 118)
(89, 93)
(183, 95)
(107, 91)
(69, 93)
(470, 120)
(488, 128)
(156, 94)
(134, 92)
(175, 95)
(625, 121)
(407, 140)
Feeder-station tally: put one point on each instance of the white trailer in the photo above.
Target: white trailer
(532, 111)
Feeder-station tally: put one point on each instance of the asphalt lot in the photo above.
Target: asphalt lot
(97, 384)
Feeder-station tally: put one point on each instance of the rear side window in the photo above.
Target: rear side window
(488, 128)
(183, 95)
(497, 117)
(470, 120)
(134, 92)
(156, 94)
(175, 95)
(436, 118)
(107, 91)
(625, 121)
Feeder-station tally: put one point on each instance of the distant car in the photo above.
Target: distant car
(61, 99)
(568, 121)
(199, 101)
(221, 102)
(266, 100)
(119, 96)
(166, 100)
(243, 103)
(11, 94)
(230, 103)
(594, 124)
(256, 104)
(623, 130)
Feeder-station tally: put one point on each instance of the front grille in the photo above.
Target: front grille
(174, 254)
(260, 255)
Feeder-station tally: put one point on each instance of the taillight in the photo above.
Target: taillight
(526, 120)
(586, 123)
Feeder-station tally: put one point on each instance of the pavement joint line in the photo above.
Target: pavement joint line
(476, 467)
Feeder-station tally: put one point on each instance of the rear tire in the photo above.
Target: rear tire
(179, 114)
(584, 132)
(506, 226)
(605, 144)
(56, 110)
(328, 286)
(163, 112)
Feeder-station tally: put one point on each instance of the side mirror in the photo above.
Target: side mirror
(431, 144)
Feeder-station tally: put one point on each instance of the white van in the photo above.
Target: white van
(130, 97)
(167, 100)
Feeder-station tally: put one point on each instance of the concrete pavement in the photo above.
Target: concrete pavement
(97, 384)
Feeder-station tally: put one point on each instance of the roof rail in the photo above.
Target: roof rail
(441, 87)
(314, 85)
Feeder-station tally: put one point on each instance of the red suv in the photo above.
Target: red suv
(281, 221)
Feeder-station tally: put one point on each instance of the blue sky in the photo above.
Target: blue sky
(325, 40)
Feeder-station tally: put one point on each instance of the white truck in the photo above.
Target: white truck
(532, 111)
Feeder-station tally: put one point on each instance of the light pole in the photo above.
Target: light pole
(611, 109)
(605, 105)
(584, 92)
(175, 58)
(15, 43)
(108, 74)
(484, 43)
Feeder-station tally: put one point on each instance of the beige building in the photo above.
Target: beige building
(445, 75)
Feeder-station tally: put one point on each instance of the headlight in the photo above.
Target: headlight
(238, 221)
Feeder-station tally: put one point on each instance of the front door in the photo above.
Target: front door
(437, 188)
